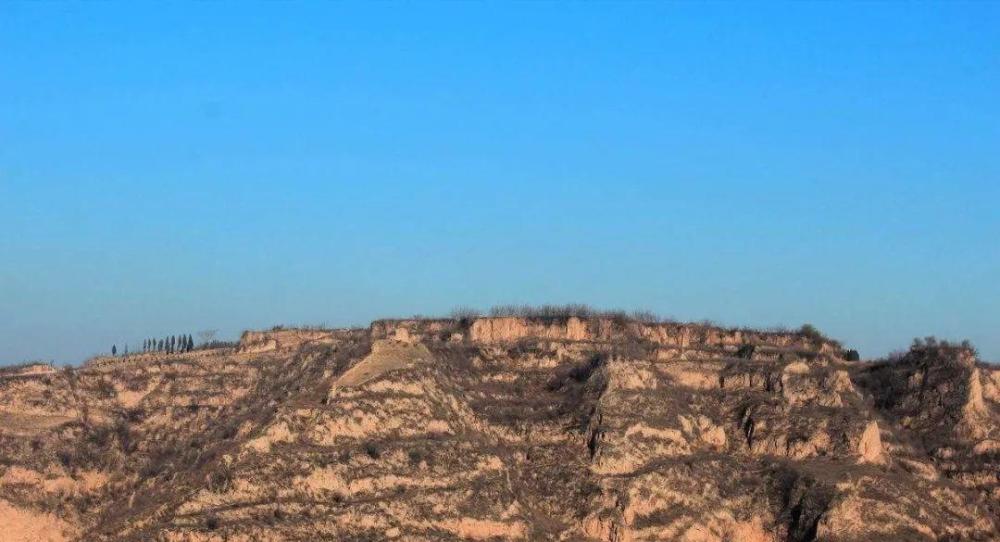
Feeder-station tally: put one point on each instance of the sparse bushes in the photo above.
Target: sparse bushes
(415, 456)
(746, 351)
(929, 345)
(105, 389)
(213, 345)
(933, 342)
(465, 316)
(17, 368)
(549, 312)
(464, 313)
(372, 450)
(815, 336)
(896, 356)
(810, 332)
(646, 317)
(580, 373)
(159, 460)
(221, 480)
(544, 311)
(576, 374)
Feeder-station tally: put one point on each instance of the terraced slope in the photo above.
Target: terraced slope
(505, 429)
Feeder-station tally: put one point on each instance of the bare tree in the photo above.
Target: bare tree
(207, 335)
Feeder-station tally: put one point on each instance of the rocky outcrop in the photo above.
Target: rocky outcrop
(256, 342)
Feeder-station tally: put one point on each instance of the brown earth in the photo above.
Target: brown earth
(505, 429)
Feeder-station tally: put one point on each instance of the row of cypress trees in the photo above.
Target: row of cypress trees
(171, 345)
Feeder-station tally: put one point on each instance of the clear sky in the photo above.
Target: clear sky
(172, 167)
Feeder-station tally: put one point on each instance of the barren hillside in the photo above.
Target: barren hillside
(505, 428)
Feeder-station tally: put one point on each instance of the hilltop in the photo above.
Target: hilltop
(540, 425)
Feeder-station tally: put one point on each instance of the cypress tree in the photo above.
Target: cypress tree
(159, 346)
(114, 350)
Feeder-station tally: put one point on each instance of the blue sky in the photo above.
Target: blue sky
(172, 167)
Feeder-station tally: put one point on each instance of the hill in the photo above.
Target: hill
(529, 427)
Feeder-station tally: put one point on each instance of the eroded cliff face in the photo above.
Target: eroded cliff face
(504, 429)
(505, 330)
(946, 405)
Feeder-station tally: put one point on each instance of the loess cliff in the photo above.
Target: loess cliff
(507, 428)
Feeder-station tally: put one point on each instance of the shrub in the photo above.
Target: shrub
(896, 356)
(646, 317)
(221, 480)
(372, 450)
(746, 351)
(582, 372)
(416, 456)
(464, 313)
(105, 389)
(579, 310)
(577, 373)
(810, 332)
